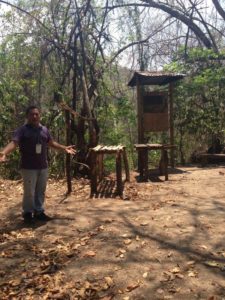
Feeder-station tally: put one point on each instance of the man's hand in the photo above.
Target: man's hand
(2, 157)
(70, 150)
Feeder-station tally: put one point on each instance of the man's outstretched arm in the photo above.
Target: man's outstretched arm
(8, 149)
(67, 149)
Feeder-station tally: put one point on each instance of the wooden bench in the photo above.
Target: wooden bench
(143, 150)
(205, 158)
(97, 165)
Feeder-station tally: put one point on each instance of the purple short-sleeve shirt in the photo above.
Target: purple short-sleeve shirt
(27, 138)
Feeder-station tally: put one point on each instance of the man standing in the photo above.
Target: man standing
(33, 140)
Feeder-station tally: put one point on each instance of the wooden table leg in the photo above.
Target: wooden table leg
(126, 165)
(119, 174)
(100, 165)
(145, 164)
(94, 177)
(164, 163)
(141, 164)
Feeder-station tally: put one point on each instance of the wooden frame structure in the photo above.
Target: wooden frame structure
(143, 78)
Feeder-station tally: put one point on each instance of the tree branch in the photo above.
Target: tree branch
(27, 13)
(175, 14)
(219, 8)
(136, 43)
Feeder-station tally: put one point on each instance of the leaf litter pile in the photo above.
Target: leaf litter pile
(163, 240)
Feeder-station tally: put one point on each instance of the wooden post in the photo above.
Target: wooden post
(164, 163)
(143, 163)
(126, 165)
(94, 178)
(140, 113)
(140, 120)
(171, 124)
(68, 157)
(119, 173)
(100, 165)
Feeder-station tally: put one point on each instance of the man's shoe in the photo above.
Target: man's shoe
(42, 217)
(28, 218)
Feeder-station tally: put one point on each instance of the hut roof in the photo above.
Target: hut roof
(154, 78)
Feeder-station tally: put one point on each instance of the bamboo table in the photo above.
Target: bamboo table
(97, 163)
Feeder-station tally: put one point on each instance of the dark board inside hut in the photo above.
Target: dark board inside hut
(155, 111)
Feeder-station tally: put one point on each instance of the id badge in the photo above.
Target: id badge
(38, 148)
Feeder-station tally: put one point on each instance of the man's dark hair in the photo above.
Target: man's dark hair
(29, 108)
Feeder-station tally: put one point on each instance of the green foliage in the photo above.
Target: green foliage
(10, 169)
(117, 121)
(199, 102)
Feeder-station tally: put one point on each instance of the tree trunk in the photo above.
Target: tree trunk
(68, 157)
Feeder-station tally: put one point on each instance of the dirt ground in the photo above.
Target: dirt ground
(164, 240)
